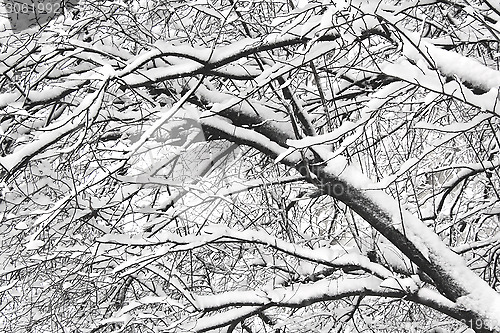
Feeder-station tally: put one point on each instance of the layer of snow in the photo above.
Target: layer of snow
(451, 63)
(326, 255)
(421, 76)
(55, 131)
(377, 100)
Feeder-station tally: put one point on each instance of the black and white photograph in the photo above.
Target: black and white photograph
(255, 166)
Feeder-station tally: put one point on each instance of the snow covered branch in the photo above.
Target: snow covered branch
(299, 295)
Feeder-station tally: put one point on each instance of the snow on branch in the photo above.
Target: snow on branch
(424, 77)
(44, 96)
(419, 243)
(158, 123)
(209, 58)
(471, 169)
(451, 63)
(223, 319)
(245, 111)
(221, 126)
(56, 131)
(477, 245)
(378, 99)
(422, 50)
(300, 295)
(328, 256)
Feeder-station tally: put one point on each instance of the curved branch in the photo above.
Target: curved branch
(300, 295)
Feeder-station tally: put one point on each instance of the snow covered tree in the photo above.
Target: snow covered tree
(254, 166)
